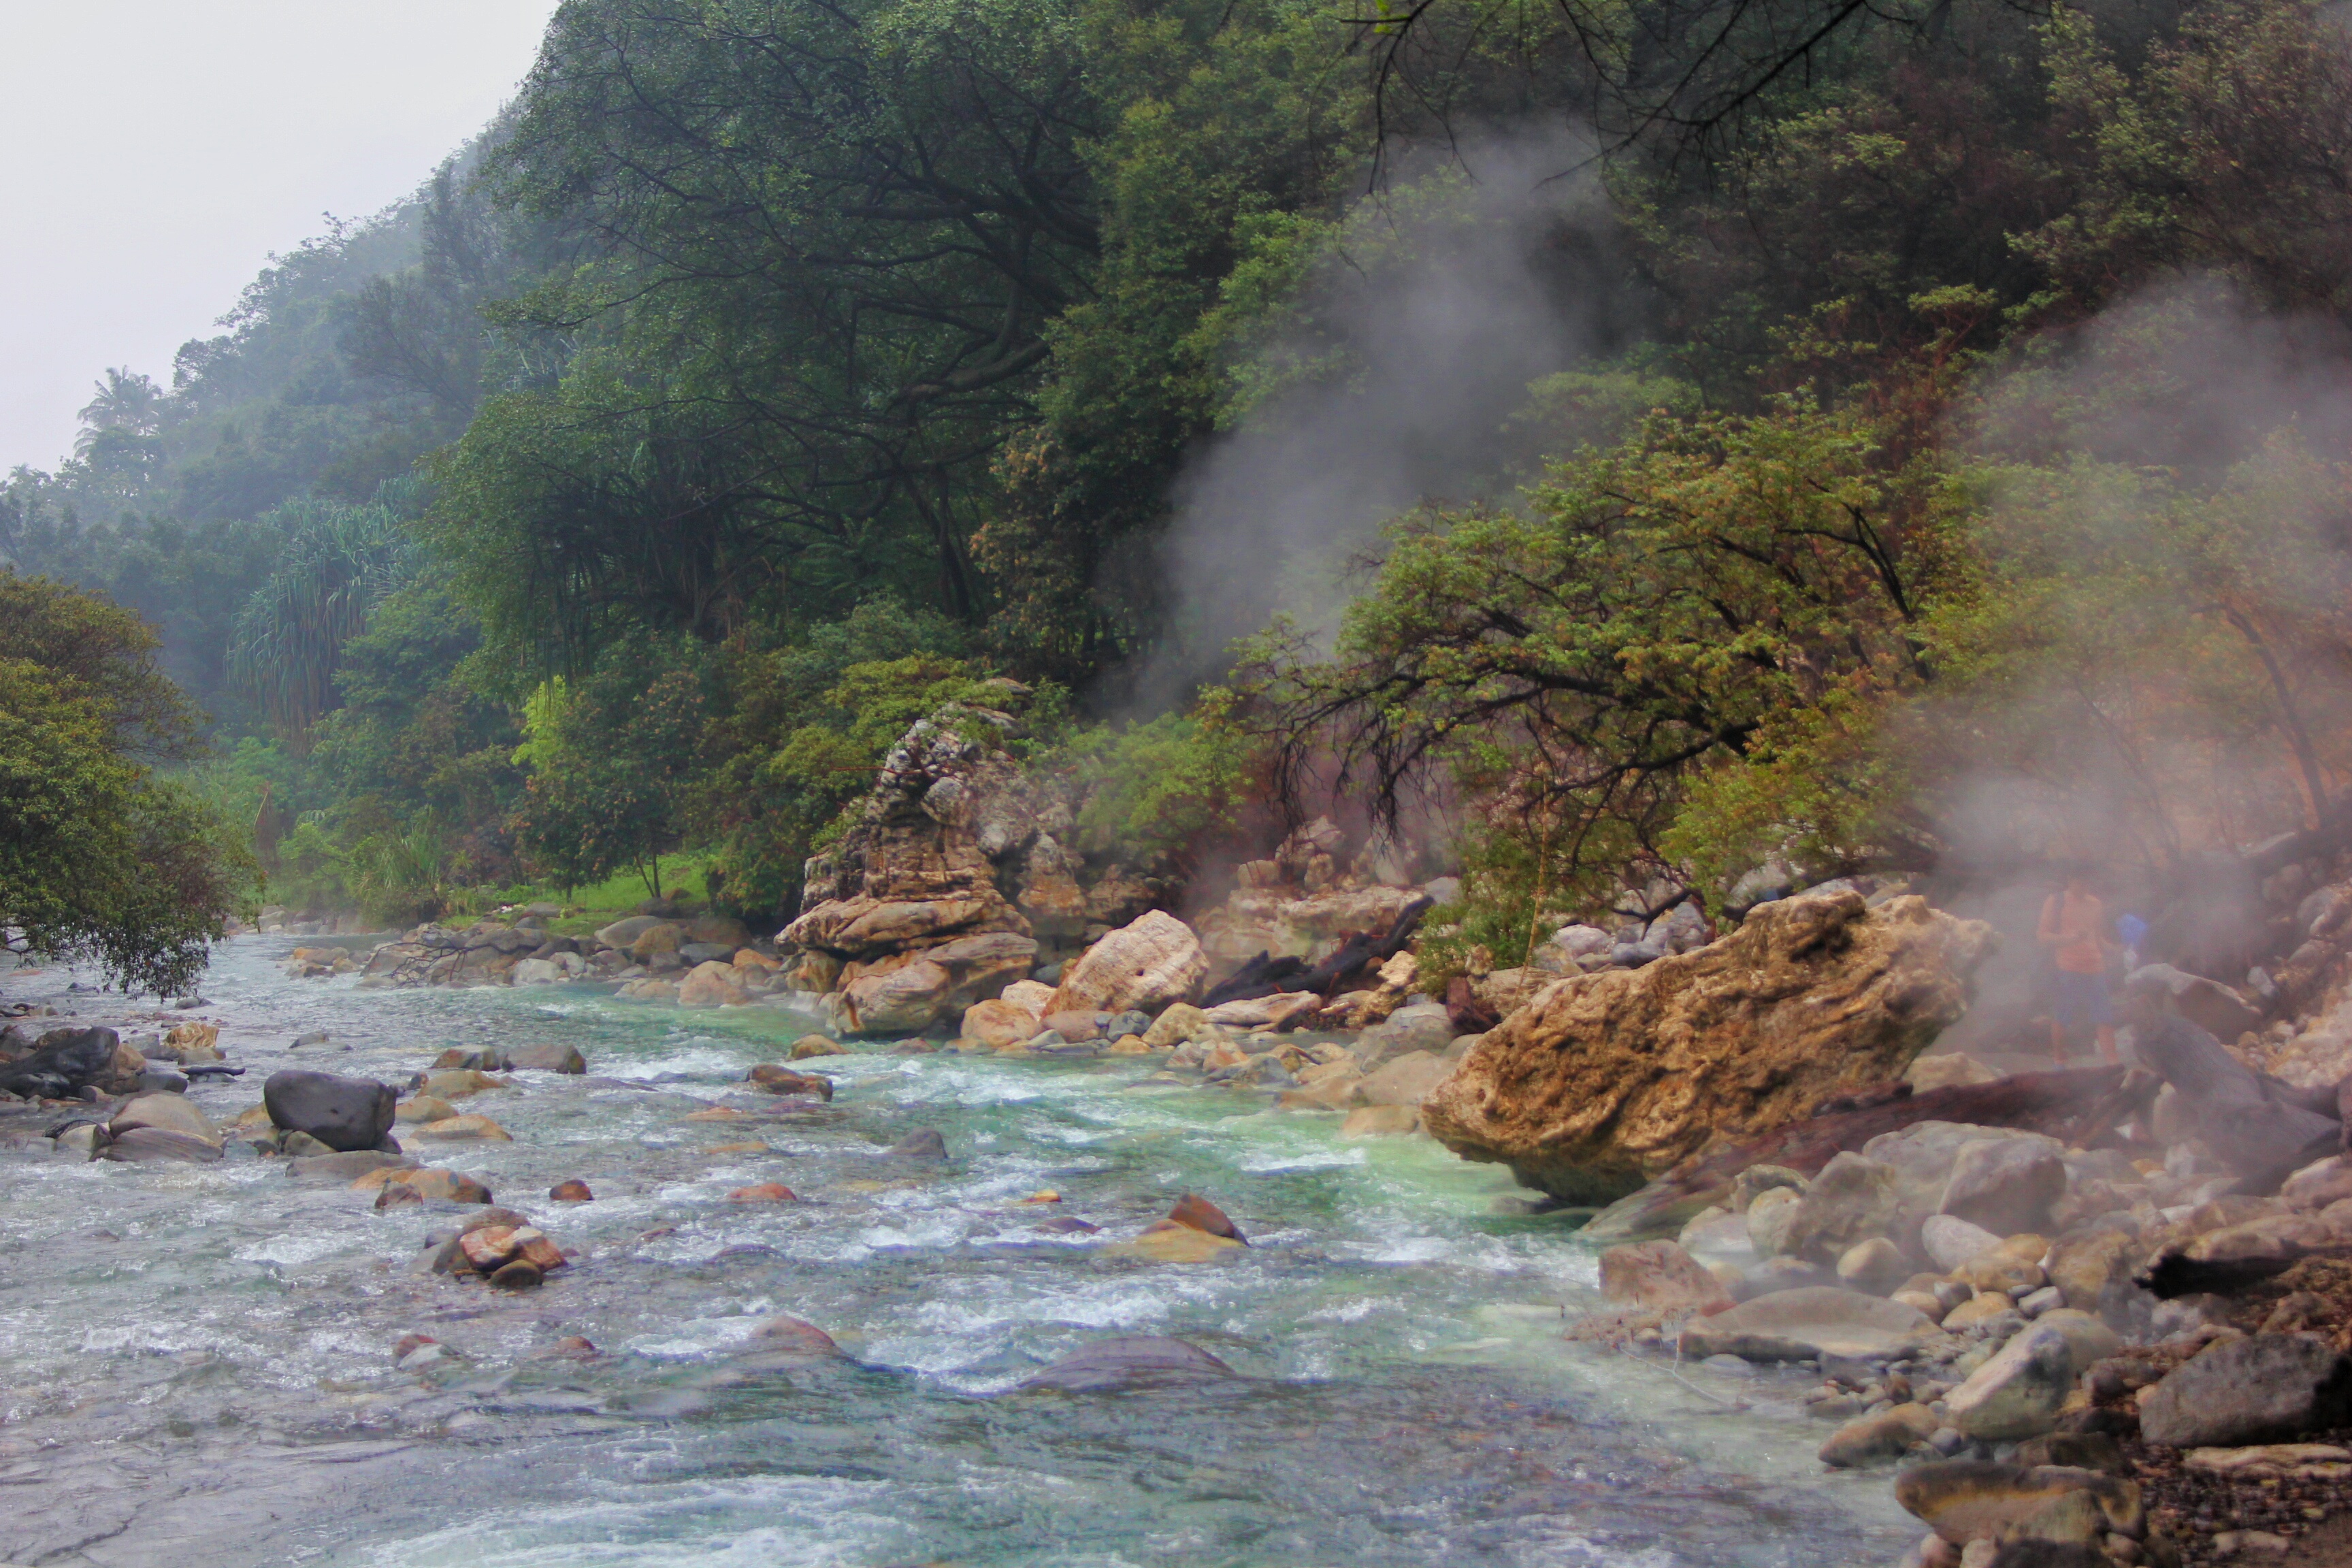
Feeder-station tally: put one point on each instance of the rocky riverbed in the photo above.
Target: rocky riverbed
(222, 1361)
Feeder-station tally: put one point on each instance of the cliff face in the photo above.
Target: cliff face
(1604, 1081)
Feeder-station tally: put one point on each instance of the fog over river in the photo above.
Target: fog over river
(196, 1361)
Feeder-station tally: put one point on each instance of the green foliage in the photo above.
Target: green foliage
(340, 561)
(617, 756)
(101, 859)
(1166, 789)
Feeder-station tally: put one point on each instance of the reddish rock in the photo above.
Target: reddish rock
(1200, 1214)
(765, 1193)
(574, 1191)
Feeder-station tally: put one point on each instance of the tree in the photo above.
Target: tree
(99, 858)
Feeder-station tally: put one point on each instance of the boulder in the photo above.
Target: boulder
(1946, 1070)
(1149, 964)
(1607, 1081)
(778, 1080)
(2018, 1392)
(2207, 1004)
(1660, 1277)
(161, 1143)
(457, 1083)
(572, 1190)
(1405, 1080)
(923, 1144)
(999, 1024)
(461, 1129)
(1277, 1012)
(1179, 1023)
(1880, 1438)
(2267, 1388)
(2317, 1186)
(711, 984)
(1952, 1243)
(1967, 1500)
(940, 982)
(1809, 1323)
(343, 1113)
(344, 1167)
(1165, 1241)
(809, 1046)
(2080, 1266)
(783, 1336)
(1853, 1200)
(1381, 1121)
(167, 1112)
(62, 1063)
(2006, 1185)
(550, 1056)
(918, 867)
(1198, 1214)
(1875, 1267)
(1130, 1362)
(539, 971)
(1769, 1217)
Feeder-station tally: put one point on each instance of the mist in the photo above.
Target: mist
(1393, 383)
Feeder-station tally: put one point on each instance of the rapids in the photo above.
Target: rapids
(195, 1362)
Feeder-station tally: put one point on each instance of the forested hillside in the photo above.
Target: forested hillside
(1808, 438)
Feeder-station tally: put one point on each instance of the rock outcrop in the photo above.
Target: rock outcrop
(1606, 1080)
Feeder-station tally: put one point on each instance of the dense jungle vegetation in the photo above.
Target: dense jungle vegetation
(1939, 454)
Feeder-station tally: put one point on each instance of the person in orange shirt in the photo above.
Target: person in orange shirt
(2073, 928)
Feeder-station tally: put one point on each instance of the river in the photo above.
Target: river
(197, 1361)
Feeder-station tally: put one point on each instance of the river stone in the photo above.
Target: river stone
(1166, 1241)
(999, 1024)
(1774, 1275)
(457, 1083)
(344, 1167)
(2005, 1186)
(923, 1144)
(1201, 1215)
(2081, 1265)
(2018, 1392)
(809, 1046)
(1875, 1267)
(788, 1336)
(548, 1057)
(143, 1143)
(2089, 1340)
(1869, 1439)
(1406, 1079)
(1769, 1218)
(460, 1130)
(1381, 1121)
(1968, 1500)
(1180, 1023)
(1757, 1180)
(167, 1112)
(1952, 1243)
(1151, 962)
(343, 1113)
(777, 1078)
(2316, 1187)
(1130, 1362)
(1660, 1277)
(423, 1108)
(443, 1185)
(712, 984)
(2269, 1388)
(1851, 1200)
(61, 1063)
(1802, 1324)
(1716, 1236)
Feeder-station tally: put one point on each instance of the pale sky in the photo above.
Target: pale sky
(154, 152)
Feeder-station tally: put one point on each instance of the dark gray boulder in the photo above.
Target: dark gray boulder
(61, 1064)
(2269, 1388)
(1130, 1362)
(923, 1144)
(343, 1113)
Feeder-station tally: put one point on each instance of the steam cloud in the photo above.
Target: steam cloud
(1450, 293)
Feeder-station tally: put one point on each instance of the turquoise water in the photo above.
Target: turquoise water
(195, 1362)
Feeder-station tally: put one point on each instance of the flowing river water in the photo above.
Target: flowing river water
(197, 1361)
